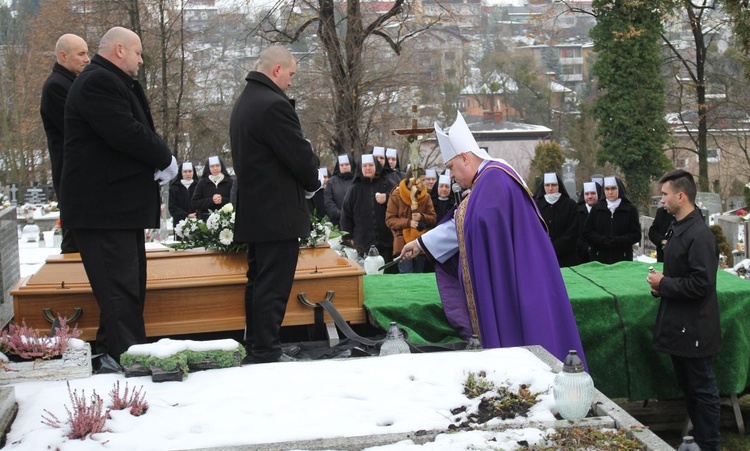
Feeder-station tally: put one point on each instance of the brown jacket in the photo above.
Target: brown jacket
(398, 215)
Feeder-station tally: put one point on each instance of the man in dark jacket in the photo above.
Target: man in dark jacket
(112, 161)
(276, 171)
(72, 57)
(687, 325)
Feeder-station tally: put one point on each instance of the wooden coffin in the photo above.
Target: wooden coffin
(188, 292)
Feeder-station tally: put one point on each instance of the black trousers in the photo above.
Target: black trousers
(115, 263)
(697, 380)
(270, 275)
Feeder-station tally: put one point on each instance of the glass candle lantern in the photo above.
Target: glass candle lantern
(573, 389)
(374, 261)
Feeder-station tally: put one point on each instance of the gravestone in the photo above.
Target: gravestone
(34, 195)
(569, 179)
(735, 202)
(709, 201)
(14, 194)
(9, 261)
(654, 205)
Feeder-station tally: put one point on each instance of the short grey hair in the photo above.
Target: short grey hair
(271, 56)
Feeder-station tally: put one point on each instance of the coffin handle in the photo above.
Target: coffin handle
(47, 313)
(303, 298)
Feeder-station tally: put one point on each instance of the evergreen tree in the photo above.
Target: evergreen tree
(630, 108)
(739, 13)
(548, 157)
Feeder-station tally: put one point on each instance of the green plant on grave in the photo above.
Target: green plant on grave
(170, 363)
(222, 359)
(132, 359)
(477, 384)
(496, 402)
(506, 404)
(183, 359)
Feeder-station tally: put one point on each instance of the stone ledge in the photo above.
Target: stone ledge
(74, 364)
(608, 415)
(8, 411)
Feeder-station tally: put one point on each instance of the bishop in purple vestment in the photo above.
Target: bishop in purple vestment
(496, 268)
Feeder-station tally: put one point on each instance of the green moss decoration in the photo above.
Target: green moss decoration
(185, 359)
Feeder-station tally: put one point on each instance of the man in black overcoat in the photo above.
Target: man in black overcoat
(276, 171)
(112, 165)
(72, 57)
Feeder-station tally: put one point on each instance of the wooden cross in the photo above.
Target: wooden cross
(413, 138)
(413, 132)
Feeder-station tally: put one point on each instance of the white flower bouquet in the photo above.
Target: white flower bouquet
(215, 234)
(321, 231)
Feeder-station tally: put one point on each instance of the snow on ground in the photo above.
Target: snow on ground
(280, 402)
(293, 401)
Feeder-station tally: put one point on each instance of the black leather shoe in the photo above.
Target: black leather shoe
(291, 351)
(286, 358)
(282, 358)
(105, 364)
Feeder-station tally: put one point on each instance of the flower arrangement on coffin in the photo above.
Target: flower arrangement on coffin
(215, 234)
(321, 230)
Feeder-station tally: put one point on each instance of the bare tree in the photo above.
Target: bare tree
(693, 72)
(347, 37)
(22, 140)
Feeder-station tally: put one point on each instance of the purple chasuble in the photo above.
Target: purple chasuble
(507, 262)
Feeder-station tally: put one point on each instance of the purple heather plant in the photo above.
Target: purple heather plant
(136, 401)
(84, 418)
(27, 343)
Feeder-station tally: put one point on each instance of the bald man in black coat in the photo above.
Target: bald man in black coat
(113, 163)
(276, 171)
(72, 54)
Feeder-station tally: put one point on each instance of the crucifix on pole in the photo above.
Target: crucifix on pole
(414, 136)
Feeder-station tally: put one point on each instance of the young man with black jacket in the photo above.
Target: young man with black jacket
(687, 325)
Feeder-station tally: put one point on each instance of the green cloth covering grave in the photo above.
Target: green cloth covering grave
(615, 313)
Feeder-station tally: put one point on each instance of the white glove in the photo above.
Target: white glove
(165, 175)
(310, 194)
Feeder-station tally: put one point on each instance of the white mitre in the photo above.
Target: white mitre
(459, 139)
